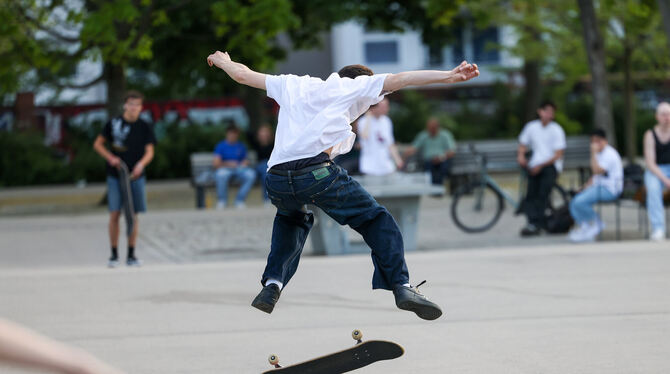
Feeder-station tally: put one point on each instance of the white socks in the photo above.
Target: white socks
(274, 281)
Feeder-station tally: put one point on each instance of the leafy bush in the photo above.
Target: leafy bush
(25, 160)
(172, 153)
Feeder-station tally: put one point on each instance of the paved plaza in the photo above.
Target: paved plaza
(598, 308)
(511, 305)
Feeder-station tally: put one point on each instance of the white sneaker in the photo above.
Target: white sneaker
(575, 233)
(657, 235)
(240, 205)
(593, 230)
(587, 232)
(113, 263)
(221, 205)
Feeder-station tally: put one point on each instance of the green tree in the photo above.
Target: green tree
(595, 49)
(633, 38)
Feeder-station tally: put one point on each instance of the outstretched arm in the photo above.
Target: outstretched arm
(239, 72)
(461, 73)
(19, 346)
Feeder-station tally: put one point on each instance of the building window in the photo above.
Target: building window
(435, 55)
(457, 50)
(381, 52)
(484, 46)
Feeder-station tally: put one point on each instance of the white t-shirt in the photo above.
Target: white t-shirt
(376, 136)
(544, 141)
(610, 161)
(315, 115)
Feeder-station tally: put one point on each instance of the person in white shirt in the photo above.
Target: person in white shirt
(379, 154)
(546, 139)
(313, 127)
(606, 184)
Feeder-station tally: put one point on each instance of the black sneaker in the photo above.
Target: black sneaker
(267, 298)
(530, 230)
(409, 298)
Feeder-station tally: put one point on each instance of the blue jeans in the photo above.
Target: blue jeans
(437, 171)
(581, 206)
(342, 198)
(244, 175)
(261, 171)
(115, 200)
(654, 187)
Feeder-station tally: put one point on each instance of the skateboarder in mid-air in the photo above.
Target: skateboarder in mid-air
(312, 129)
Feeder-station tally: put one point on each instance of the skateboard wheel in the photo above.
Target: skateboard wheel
(273, 359)
(357, 335)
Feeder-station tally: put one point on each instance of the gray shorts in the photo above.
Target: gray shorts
(114, 199)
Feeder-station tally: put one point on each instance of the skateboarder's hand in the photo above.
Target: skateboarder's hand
(218, 58)
(137, 171)
(464, 72)
(114, 161)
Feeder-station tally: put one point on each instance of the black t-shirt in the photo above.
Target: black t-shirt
(262, 151)
(127, 141)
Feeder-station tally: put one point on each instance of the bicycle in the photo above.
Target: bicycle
(478, 205)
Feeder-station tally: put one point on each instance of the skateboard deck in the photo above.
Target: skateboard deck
(356, 357)
(127, 197)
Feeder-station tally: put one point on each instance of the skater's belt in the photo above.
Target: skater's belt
(295, 173)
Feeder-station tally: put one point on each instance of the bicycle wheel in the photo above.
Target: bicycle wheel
(476, 207)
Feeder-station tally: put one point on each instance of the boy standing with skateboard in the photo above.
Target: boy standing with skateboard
(131, 143)
(312, 129)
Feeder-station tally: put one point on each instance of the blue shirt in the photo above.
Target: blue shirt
(231, 152)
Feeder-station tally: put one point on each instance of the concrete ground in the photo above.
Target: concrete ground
(512, 305)
(597, 308)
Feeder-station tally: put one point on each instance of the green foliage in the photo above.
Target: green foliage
(171, 159)
(410, 114)
(86, 164)
(25, 160)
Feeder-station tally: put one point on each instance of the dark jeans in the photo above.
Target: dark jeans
(537, 196)
(437, 171)
(343, 199)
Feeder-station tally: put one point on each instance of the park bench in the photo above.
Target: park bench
(202, 174)
(400, 193)
(501, 156)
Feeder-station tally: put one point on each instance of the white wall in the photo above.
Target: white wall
(348, 47)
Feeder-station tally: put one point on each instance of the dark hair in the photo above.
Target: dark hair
(599, 133)
(544, 104)
(132, 94)
(232, 127)
(352, 71)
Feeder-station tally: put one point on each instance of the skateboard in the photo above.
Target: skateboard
(127, 196)
(356, 357)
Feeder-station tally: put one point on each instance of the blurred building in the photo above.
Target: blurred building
(351, 43)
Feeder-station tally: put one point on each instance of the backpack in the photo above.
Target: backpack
(560, 221)
(633, 180)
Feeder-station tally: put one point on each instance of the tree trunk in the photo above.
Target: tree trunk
(533, 92)
(595, 50)
(629, 104)
(115, 76)
(664, 8)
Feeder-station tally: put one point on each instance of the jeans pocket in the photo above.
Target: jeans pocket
(276, 201)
